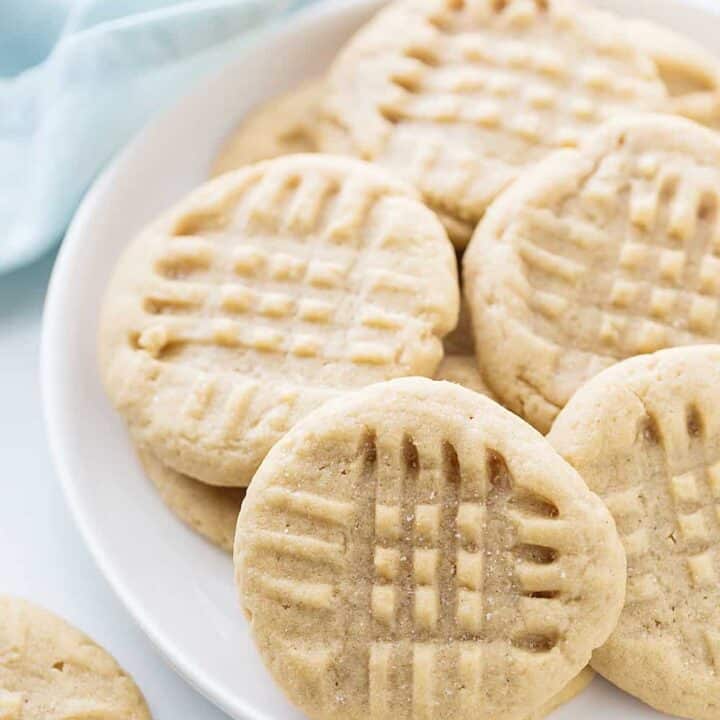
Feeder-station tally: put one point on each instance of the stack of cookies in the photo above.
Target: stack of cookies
(280, 344)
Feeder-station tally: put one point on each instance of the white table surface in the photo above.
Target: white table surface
(42, 556)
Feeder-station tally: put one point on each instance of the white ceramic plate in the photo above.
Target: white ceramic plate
(178, 587)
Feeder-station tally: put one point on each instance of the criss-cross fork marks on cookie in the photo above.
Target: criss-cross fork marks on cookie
(474, 80)
(431, 562)
(658, 287)
(422, 567)
(682, 496)
(261, 295)
(313, 281)
(527, 93)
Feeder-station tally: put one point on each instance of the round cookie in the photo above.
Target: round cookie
(262, 294)
(282, 126)
(459, 96)
(427, 550)
(690, 73)
(208, 510)
(49, 670)
(645, 435)
(596, 255)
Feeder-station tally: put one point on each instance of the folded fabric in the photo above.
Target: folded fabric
(77, 79)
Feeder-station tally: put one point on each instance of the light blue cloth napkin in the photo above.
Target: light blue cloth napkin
(77, 79)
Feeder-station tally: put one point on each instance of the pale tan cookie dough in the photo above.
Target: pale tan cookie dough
(282, 126)
(574, 688)
(596, 255)
(645, 435)
(262, 294)
(460, 97)
(210, 511)
(690, 73)
(414, 546)
(51, 671)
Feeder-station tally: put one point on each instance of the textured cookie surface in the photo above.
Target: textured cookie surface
(282, 126)
(645, 435)
(596, 255)
(210, 511)
(264, 293)
(51, 671)
(414, 550)
(459, 96)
